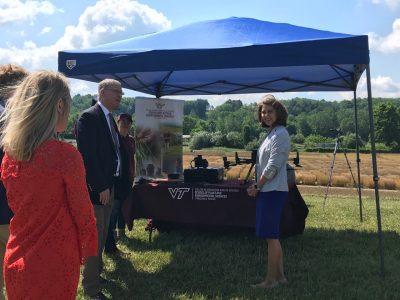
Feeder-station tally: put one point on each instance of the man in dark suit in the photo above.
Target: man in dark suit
(99, 143)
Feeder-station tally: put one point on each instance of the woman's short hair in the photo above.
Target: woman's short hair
(10, 76)
(280, 109)
(31, 114)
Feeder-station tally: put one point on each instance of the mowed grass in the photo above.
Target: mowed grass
(337, 257)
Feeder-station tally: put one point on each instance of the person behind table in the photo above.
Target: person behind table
(271, 188)
(124, 123)
(10, 76)
(53, 230)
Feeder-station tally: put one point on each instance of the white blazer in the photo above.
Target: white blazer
(274, 153)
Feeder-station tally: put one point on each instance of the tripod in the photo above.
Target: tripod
(337, 146)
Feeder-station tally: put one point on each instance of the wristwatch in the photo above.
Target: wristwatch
(256, 187)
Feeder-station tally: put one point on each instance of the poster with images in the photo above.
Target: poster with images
(158, 135)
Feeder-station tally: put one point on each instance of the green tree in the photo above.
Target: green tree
(219, 139)
(297, 138)
(211, 126)
(246, 134)
(346, 121)
(198, 108)
(349, 141)
(303, 126)
(189, 123)
(234, 139)
(201, 125)
(200, 140)
(322, 122)
(291, 128)
(387, 123)
(70, 130)
(127, 106)
(230, 105)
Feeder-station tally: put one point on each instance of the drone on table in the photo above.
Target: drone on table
(252, 161)
(241, 161)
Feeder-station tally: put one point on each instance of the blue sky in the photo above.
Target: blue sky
(33, 31)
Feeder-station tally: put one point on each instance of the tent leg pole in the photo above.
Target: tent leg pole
(358, 157)
(375, 169)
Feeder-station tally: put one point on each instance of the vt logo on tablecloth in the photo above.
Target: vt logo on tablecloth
(177, 193)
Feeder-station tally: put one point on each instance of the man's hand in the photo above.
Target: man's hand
(105, 197)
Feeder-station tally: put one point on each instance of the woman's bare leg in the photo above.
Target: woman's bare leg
(275, 273)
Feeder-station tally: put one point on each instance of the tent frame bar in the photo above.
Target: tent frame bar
(336, 68)
(375, 170)
(243, 87)
(358, 156)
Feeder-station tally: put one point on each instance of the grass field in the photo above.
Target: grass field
(337, 257)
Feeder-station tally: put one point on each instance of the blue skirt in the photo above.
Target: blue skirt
(268, 213)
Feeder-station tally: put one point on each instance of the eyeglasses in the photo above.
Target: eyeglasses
(117, 91)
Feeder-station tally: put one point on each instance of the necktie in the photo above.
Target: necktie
(114, 135)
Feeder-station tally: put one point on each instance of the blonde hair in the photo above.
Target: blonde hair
(31, 115)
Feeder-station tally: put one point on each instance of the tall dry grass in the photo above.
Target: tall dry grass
(388, 184)
(316, 167)
(339, 181)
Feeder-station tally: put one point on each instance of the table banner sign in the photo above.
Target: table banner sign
(158, 137)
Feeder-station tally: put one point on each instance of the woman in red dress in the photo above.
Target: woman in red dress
(53, 229)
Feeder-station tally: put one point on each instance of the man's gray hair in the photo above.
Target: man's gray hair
(106, 83)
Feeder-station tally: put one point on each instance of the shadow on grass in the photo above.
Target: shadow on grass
(321, 264)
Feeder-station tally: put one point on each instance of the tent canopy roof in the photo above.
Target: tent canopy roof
(228, 56)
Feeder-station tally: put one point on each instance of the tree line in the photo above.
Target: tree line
(310, 123)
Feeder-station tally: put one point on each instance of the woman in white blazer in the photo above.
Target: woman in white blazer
(271, 188)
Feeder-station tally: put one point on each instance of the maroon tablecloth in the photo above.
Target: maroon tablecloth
(224, 204)
(191, 203)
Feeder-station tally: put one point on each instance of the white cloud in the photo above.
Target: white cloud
(19, 11)
(106, 21)
(389, 43)
(392, 4)
(82, 87)
(29, 56)
(381, 86)
(45, 30)
(112, 20)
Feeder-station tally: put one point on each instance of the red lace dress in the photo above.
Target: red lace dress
(53, 229)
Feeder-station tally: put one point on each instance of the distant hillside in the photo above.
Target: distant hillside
(235, 124)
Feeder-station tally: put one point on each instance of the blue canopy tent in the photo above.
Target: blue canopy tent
(232, 56)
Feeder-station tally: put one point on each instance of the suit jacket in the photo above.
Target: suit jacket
(96, 145)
